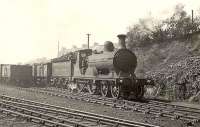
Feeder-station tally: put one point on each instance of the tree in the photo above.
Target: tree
(179, 24)
(141, 33)
(148, 30)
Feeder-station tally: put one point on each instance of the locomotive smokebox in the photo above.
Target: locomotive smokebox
(124, 60)
(122, 43)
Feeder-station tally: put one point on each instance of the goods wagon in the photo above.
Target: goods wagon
(41, 73)
(16, 74)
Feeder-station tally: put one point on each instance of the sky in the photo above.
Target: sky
(31, 29)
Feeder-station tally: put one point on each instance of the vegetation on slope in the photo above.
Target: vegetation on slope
(168, 52)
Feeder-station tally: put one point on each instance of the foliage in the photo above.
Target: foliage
(148, 30)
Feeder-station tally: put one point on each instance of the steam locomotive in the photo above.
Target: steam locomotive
(110, 73)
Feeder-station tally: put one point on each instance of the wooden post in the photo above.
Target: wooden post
(88, 37)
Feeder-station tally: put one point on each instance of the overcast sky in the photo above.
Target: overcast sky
(31, 28)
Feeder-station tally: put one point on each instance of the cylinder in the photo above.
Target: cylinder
(122, 43)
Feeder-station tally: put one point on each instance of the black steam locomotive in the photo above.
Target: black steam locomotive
(109, 73)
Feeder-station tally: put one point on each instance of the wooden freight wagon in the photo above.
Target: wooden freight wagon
(41, 73)
(17, 74)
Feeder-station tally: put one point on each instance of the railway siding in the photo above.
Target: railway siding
(72, 117)
(120, 111)
(159, 109)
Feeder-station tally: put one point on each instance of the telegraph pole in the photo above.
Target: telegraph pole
(88, 38)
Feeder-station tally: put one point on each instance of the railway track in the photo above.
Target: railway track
(157, 108)
(56, 116)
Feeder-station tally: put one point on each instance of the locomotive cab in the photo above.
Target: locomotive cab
(81, 61)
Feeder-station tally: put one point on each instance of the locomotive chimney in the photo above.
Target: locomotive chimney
(122, 44)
